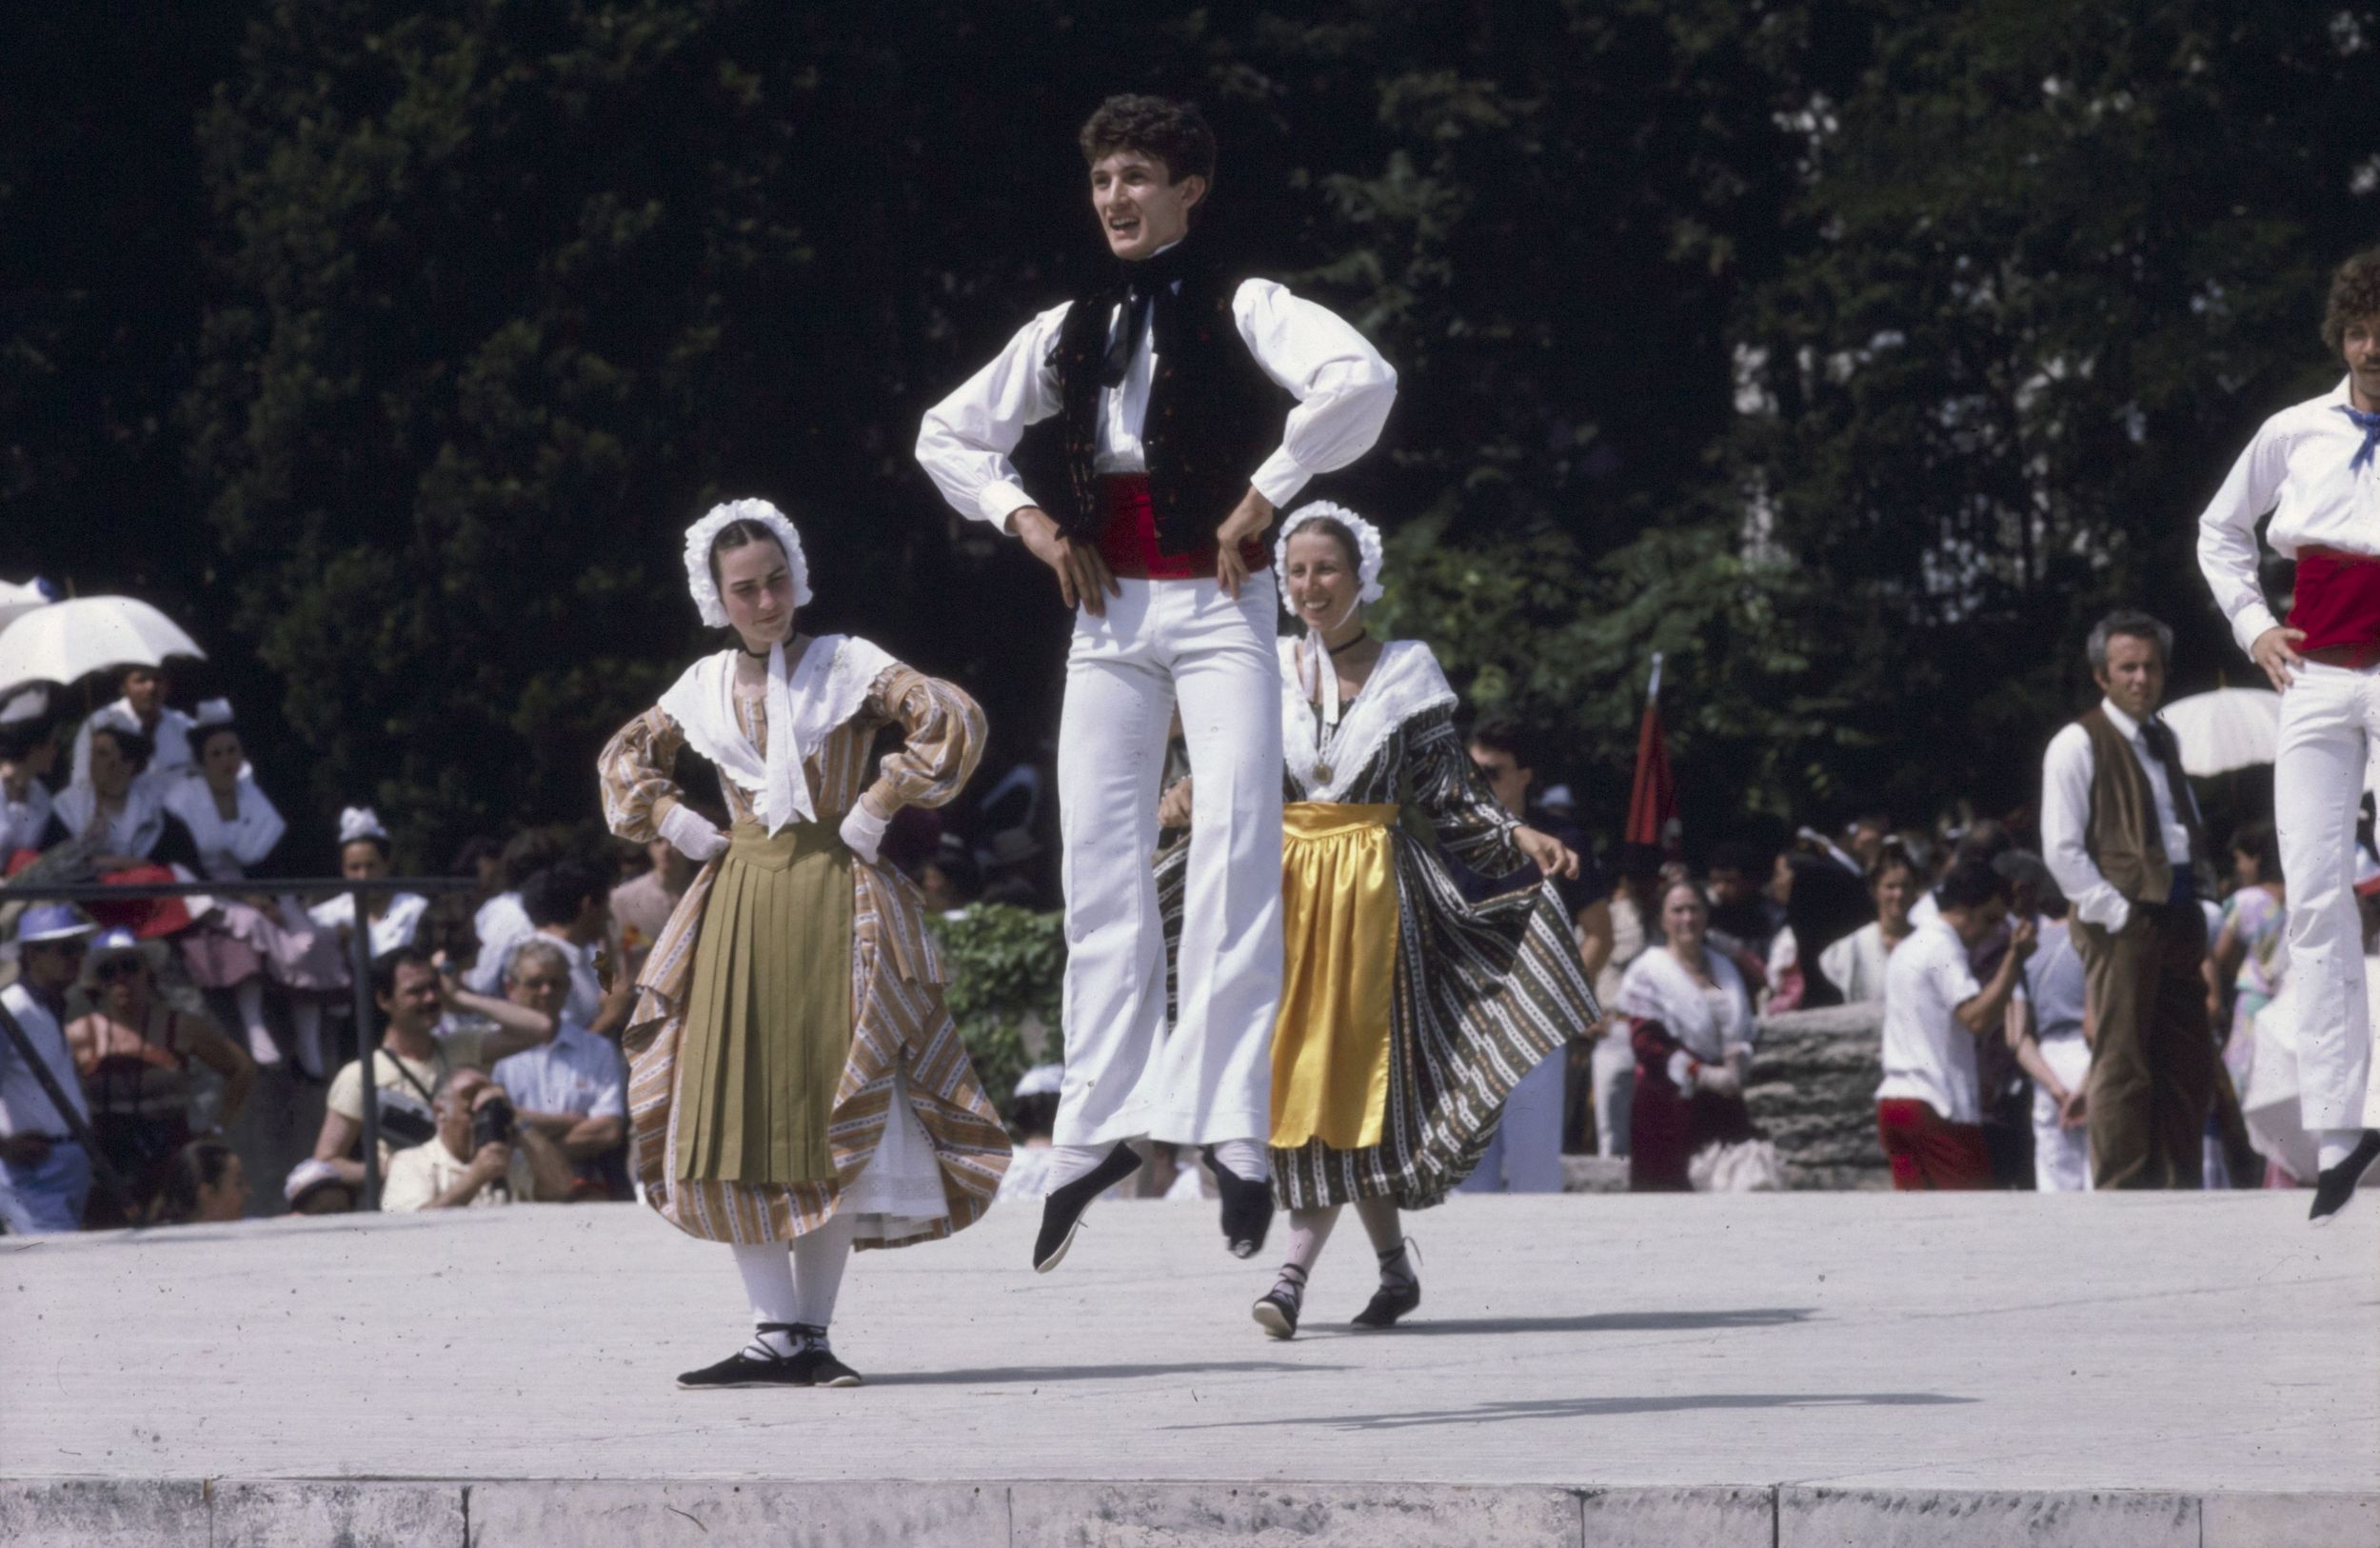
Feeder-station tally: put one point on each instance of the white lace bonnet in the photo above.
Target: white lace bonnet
(699, 536)
(1368, 551)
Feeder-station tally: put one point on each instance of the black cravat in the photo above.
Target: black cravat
(1144, 282)
(2162, 747)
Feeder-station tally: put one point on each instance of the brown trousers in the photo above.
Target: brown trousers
(2153, 1056)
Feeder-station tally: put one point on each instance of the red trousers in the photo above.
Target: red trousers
(1928, 1150)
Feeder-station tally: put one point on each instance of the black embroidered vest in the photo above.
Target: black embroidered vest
(1213, 414)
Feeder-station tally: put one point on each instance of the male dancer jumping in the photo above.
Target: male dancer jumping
(1191, 407)
(2316, 467)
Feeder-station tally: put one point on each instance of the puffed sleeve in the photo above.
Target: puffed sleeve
(637, 772)
(942, 739)
(1471, 825)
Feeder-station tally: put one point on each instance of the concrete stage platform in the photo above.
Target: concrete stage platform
(1777, 1371)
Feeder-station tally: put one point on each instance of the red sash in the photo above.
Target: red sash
(1128, 541)
(2338, 605)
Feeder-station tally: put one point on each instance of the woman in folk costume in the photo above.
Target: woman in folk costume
(248, 936)
(1408, 1014)
(1690, 1020)
(795, 1075)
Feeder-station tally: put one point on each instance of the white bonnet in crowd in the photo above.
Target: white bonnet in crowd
(699, 536)
(1369, 556)
(360, 822)
(212, 713)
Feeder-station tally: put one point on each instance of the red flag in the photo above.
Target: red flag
(1652, 800)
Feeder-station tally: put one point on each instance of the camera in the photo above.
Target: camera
(491, 1123)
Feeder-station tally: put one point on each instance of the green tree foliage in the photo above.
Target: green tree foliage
(1852, 354)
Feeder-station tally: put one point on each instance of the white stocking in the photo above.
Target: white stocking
(306, 1015)
(768, 1271)
(248, 995)
(1245, 1159)
(819, 1258)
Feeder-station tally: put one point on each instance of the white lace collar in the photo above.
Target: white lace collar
(827, 689)
(226, 847)
(1404, 682)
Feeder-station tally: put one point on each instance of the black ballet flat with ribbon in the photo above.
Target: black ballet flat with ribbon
(1062, 1212)
(1247, 1208)
(2335, 1185)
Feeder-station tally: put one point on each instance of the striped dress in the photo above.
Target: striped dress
(1484, 991)
(902, 1037)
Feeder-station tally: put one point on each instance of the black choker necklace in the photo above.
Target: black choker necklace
(1360, 636)
(756, 655)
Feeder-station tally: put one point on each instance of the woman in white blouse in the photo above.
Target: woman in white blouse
(1690, 1018)
(1855, 964)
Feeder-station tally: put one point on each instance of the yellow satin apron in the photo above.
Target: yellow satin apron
(1338, 927)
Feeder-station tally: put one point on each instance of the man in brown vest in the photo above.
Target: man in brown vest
(2119, 828)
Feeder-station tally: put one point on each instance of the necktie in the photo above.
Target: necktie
(2369, 424)
(1145, 281)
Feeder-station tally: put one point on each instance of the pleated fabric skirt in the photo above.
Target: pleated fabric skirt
(1339, 930)
(768, 1011)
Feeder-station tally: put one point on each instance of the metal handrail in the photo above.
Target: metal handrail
(367, 1034)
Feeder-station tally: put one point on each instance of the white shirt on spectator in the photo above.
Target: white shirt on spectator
(23, 824)
(2297, 467)
(25, 1107)
(395, 926)
(1343, 390)
(577, 1073)
(418, 1176)
(1855, 964)
(229, 848)
(1929, 1054)
(2053, 980)
(499, 924)
(2066, 773)
(171, 737)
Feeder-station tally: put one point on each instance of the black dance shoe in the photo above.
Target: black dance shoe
(2335, 1185)
(1275, 1311)
(754, 1365)
(1400, 1291)
(1393, 1300)
(1247, 1208)
(816, 1362)
(1062, 1212)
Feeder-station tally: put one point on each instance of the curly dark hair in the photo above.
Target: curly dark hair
(1174, 132)
(2354, 295)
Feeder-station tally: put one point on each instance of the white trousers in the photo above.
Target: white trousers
(1526, 1154)
(1614, 1067)
(2327, 718)
(2061, 1157)
(1163, 644)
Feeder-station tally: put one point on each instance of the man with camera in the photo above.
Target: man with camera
(480, 1154)
(425, 1038)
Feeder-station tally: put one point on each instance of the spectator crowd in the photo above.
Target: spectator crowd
(2071, 997)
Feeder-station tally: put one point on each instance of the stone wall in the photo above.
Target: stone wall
(1812, 1088)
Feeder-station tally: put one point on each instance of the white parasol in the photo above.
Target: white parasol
(70, 640)
(17, 599)
(2227, 729)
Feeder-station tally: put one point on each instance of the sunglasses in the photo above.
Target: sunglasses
(123, 967)
(63, 948)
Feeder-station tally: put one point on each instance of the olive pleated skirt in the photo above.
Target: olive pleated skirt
(768, 1011)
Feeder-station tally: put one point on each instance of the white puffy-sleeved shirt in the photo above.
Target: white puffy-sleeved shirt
(2066, 769)
(2297, 467)
(1343, 390)
(1929, 1054)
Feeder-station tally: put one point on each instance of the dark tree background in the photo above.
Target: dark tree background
(1854, 355)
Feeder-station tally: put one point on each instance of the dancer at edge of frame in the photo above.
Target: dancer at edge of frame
(795, 1079)
(1408, 1013)
(2316, 467)
(1191, 405)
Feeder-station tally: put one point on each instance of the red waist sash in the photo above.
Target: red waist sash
(1128, 540)
(2337, 604)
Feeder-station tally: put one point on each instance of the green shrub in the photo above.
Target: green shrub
(1007, 968)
